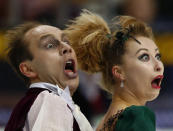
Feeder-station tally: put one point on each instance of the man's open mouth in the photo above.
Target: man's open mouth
(70, 68)
(156, 82)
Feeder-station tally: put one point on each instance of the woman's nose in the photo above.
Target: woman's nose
(158, 66)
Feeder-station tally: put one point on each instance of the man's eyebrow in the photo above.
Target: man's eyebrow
(48, 38)
(42, 38)
(141, 50)
(63, 36)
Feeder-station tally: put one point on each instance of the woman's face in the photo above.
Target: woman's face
(142, 68)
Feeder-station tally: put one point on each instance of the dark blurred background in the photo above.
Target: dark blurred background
(92, 100)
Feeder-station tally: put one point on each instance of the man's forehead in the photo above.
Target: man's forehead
(46, 28)
(43, 29)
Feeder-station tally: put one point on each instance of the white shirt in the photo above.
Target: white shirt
(50, 112)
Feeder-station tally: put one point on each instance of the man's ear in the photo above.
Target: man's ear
(26, 70)
(118, 72)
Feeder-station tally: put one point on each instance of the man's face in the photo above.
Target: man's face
(54, 60)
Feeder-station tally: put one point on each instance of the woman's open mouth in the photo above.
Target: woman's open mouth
(156, 82)
(70, 69)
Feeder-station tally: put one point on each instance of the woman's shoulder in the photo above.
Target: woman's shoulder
(109, 125)
(133, 118)
(138, 112)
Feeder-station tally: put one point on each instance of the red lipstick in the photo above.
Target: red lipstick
(156, 82)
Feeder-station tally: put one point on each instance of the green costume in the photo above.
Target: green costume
(133, 118)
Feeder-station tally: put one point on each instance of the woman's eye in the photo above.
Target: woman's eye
(158, 57)
(144, 57)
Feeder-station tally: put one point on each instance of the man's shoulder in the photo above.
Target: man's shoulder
(49, 101)
(20, 111)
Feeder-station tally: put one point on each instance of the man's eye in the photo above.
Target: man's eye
(49, 46)
(158, 56)
(52, 44)
(144, 57)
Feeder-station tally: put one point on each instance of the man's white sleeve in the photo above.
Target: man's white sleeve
(49, 112)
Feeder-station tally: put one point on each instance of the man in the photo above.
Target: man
(42, 56)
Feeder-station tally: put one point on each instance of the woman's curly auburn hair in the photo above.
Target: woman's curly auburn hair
(96, 45)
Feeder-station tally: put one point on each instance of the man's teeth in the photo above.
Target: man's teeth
(70, 73)
(69, 62)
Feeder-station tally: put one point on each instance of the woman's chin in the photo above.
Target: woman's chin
(153, 96)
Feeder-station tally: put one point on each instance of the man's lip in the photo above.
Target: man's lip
(74, 64)
(71, 75)
(74, 73)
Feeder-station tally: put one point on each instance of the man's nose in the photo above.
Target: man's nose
(65, 49)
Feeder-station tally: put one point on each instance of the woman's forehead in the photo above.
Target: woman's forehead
(132, 46)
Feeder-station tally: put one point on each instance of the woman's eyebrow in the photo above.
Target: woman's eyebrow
(157, 49)
(141, 50)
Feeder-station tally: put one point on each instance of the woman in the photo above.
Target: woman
(129, 61)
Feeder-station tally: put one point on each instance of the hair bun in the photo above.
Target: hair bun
(87, 35)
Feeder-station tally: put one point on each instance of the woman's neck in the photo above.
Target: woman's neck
(122, 99)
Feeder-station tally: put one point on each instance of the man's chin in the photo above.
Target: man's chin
(72, 91)
(72, 84)
(73, 88)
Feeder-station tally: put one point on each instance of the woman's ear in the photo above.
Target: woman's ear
(118, 72)
(26, 70)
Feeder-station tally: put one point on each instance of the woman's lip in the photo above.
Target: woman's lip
(154, 85)
(159, 76)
